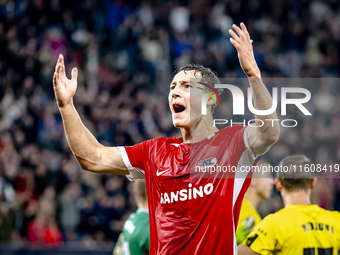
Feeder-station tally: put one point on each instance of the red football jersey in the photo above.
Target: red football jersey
(192, 215)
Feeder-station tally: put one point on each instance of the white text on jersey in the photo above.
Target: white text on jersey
(185, 194)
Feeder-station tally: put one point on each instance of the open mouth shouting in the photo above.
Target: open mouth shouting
(178, 107)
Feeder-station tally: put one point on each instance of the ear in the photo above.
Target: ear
(313, 183)
(278, 184)
(211, 101)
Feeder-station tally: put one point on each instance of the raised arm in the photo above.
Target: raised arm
(260, 139)
(90, 154)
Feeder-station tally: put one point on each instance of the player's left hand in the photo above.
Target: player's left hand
(244, 47)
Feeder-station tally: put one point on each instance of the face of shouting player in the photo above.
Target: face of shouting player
(179, 99)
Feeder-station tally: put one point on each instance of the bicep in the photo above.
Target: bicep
(107, 160)
(258, 145)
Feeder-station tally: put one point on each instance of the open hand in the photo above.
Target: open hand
(244, 47)
(64, 88)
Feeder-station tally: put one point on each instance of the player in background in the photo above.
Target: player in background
(260, 189)
(301, 227)
(135, 238)
(187, 215)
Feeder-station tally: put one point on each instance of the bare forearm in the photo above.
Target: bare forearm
(90, 154)
(270, 128)
(82, 143)
(267, 130)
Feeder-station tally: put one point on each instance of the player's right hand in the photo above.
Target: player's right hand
(244, 47)
(64, 88)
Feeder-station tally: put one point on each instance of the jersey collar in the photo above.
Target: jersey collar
(142, 210)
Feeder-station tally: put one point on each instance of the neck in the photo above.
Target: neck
(199, 131)
(143, 206)
(253, 198)
(296, 197)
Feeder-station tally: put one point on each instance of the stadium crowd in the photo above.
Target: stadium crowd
(125, 52)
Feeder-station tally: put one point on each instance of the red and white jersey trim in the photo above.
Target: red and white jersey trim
(135, 173)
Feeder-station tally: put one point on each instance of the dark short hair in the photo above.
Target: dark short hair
(208, 76)
(139, 191)
(296, 178)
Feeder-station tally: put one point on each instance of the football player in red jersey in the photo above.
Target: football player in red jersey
(187, 215)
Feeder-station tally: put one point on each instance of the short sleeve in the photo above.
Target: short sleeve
(238, 139)
(245, 139)
(263, 239)
(134, 158)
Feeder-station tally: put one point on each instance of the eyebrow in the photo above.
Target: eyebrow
(181, 82)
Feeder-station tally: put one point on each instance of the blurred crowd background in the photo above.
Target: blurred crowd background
(126, 52)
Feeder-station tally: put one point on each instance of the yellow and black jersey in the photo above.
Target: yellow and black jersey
(297, 229)
(249, 218)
